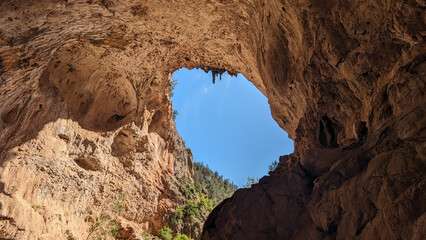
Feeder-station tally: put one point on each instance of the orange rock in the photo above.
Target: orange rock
(85, 114)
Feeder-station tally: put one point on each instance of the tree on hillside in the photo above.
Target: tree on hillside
(273, 166)
(250, 182)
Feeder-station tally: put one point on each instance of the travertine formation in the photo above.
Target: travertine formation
(85, 114)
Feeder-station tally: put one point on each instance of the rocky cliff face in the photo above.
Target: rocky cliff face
(85, 114)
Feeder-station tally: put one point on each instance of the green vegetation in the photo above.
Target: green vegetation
(165, 233)
(273, 166)
(175, 113)
(179, 213)
(191, 209)
(250, 182)
(117, 206)
(206, 203)
(181, 237)
(103, 227)
(202, 195)
(188, 213)
(173, 83)
(106, 225)
(212, 184)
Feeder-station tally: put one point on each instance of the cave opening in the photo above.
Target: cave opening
(227, 125)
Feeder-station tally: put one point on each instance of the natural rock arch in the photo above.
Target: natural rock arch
(345, 80)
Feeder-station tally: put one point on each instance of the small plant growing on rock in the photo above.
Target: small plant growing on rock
(118, 207)
(181, 237)
(165, 233)
(113, 227)
(273, 166)
(173, 83)
(103, 227)
(251, 181)
(69, 235)
(175, 113)
(178, 215)
(191, 209)
(106, 225)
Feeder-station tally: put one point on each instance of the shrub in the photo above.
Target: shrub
(165, 233)
(175, 113)
(206, 203)
(117, 206)
(181, 237)
(273, 166)
(177, 215)
(179, 212)
(191, 209)
(173, 83)
(113, 228)
(250, 182)
(102, 227)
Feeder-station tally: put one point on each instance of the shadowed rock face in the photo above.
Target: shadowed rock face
(81, 79)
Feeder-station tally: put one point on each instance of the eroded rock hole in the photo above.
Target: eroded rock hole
(115, 118)
(228, 125)
(88, 163)
(231, 140)
(85, 88)
(327, 133)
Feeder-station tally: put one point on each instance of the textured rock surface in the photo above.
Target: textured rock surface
(66, 177)
(85, 114)
(350, 92)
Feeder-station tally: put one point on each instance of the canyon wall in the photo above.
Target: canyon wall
(86, 116)
(346, 80)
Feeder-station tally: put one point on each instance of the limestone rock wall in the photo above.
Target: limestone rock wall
(85, 114)
(66, 178)
(350, 93)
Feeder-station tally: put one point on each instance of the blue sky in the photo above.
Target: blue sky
(228, 125)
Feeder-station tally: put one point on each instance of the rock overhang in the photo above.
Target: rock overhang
(346, 89)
